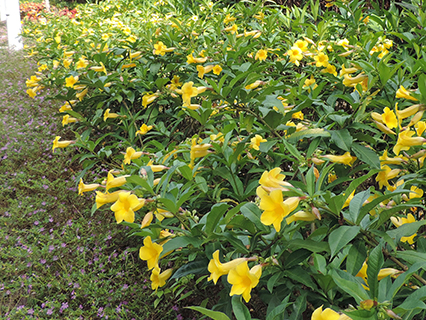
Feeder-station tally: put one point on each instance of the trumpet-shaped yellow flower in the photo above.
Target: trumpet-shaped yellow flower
(100, 69)
(232, 29)
(399, 221)
(275, 209)
(188, 91)
(295, 54)
(82, 63)
(217, 69)
(347, 70)
(104, 198)
(228, 19)
(407, 112)
(198, 151)
(321, 60)
(389, 118)
(191, 59)
(86, 187)
(254, 85)
(71, 81)
(330, 69)
(415, 192)
(161, 49)
(150, 252)
(218, 269)
(203, 70)
(60, 144)
(406, 141)
(383, 273)
(404, 93)
(244, 279)
(385, 175)
(125, 206)
(349, 81)
(148, 99)
(114, 182)
(346, 159)
(326, 314)
(261, 55)
(143, 129)
(309, 82)
(146, 221)
(302, 45)
(159, 279)
(131, 154)
(160, 214)
(301, 216)
(82, 94)
(273, 179)
(385, 159)
(256, 141)
(66, 119)
(110, 115)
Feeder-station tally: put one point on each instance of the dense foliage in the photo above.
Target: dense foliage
(285, 141)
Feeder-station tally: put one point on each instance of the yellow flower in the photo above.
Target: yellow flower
(104, 198)
(218, 269)
(60, 144)
(188, 91)
(100, 69)
(259, 16)
(383, 273)
(275, 209)
(295, 54)
(400, 221)
(82, 94)
(203, 70)
(386, 174)
(31, 92)
(327, 314)
(110, 115)
(148, 99)
(273, 179)
(344, 43)
(160, 214)
(156, 167)
(190, 59)
(233, 29)
(114, 182)
(161, 49)
(389, 118)
(385, 159)
(128, 65)
(404, 93)
(415, 192)
(175, 82)
(301, 216)
(66, 119)
(330, 69)
(67, 63)
(82, 63)
(146, 221)
(321, 60)
(86, 187)
(405, 141)
(159, 279)
(346, 159)
(244, 279)
(33, 81)
(198, 151)
(131, 154)
(309, 82)
(125, 207)
(297, 115)
(349, 81)
(254, 85)
(150, 252)
(143, 129)
(261, 55)
(347, 70)
(256, 141)
(302, 45)
(228, 19)
(407, 112)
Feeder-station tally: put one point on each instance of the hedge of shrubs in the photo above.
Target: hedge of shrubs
(275, 153)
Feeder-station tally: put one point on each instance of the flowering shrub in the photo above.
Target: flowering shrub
(34, 11)
(279, 147)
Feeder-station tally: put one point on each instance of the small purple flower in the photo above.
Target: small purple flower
(175, 308)
(43, 261)
(179, 317)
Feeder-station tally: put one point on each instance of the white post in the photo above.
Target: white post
(13, 19)
(47, 5)
(2, 10)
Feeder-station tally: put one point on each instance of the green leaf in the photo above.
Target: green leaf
(342, 138)
(411, 256)
(362, 314)
(278, 312)
(349, 284)
(422, 85)
(406, 230)
(355, 258)
(253, 213)
(214, 216)
(240, 310)
(310, 245)
(366, 155)
(300, 275)
(201, 183)
(356, 204)
(341, 237)
(141, 182)
(272, 280)
(292, 149)
(386, 214)
(266, 146)
(215, 315)
(414, 301)
(180, 242)
(375, 263)
(296, 257)
(193, 267)
(404, 277)
(186, 172)
(299, 306)
(308, 133)
(310, 181)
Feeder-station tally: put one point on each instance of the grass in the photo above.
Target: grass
(57, 260)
